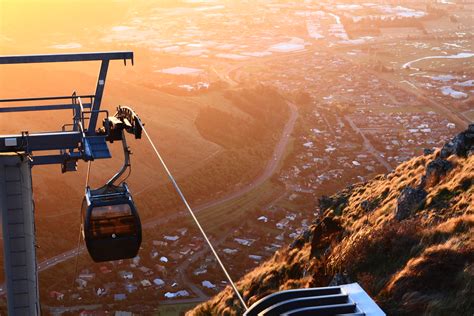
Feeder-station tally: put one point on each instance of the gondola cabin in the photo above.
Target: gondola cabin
(111, 225)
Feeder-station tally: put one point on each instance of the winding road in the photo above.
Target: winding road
(271, 166)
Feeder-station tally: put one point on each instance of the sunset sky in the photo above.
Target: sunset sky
(36, 26)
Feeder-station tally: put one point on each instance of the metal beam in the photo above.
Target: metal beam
(55, 58)
(40, 141)
(99, 91)
(28, 108)
(48, 160)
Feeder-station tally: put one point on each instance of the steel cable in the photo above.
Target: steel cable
(78, 248)
(170, 176)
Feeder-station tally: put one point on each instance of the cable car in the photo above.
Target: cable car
(111, 224)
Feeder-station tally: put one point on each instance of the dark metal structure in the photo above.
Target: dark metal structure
(76, 140)
(347, 299)
(111, 222)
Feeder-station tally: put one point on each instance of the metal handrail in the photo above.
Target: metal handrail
(84, 118)
(48, 98)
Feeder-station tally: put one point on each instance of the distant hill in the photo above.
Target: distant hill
(406, 237)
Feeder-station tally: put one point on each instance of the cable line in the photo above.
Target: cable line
(194, 217)
(78, 248)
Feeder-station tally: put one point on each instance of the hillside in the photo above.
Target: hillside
(188, 130)
(405, 237)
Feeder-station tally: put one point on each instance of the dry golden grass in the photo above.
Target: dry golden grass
(421, 265)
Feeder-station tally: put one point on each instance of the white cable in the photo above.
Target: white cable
(88, 173)
(80, 228)
(194, 217)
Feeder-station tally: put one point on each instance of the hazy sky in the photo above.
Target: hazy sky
(35, 26)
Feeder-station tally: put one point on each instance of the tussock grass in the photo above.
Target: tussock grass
(423, 264)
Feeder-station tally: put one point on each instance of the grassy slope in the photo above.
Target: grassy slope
(423, 264)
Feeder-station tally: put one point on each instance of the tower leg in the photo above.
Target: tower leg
(18, 223)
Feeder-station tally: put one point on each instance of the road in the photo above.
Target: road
(368, 145)
(48, 263)
(181, 269)
(271, 166)
(64, 309)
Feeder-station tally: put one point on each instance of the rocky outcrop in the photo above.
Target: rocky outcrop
(339, 279)
(435, 171)
(462, 145)
(322, 234)
(365, 205)
(409, 201)
(427, 151)
(302, 239)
